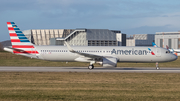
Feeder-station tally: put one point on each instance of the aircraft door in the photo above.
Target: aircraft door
(158, 52)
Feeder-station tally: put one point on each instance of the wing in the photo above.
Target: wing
(84, 54)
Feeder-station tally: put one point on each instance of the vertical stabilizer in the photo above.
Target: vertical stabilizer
(154, 45)
(20, 43)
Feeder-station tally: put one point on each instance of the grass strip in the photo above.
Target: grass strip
(53, 86)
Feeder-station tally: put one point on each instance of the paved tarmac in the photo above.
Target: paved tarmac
(85, 69)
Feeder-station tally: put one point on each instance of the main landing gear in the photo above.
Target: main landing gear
(91, 67)
(157, 66)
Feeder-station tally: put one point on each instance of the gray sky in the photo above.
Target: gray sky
(129, 16)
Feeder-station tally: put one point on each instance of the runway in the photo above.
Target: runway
(84, 69)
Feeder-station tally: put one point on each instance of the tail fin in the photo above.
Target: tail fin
(167, 47)
(20, 43)
(174, 52)
(154, 45)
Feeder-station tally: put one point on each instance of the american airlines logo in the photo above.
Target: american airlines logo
(151, 51)
(129, 52)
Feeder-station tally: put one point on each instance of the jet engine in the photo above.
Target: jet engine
(108, 62)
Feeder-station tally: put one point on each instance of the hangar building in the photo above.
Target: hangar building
(76, 37)
(171, 39)
(140, 40)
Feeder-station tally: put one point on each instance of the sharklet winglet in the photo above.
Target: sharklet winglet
(69, 47)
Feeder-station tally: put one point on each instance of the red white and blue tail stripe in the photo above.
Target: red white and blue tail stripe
(20, 43)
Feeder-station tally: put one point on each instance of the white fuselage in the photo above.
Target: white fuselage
(123, 54)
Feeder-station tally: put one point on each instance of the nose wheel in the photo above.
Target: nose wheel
(91, 67)
(157, 66)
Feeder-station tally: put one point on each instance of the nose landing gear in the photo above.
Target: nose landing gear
(157, 66)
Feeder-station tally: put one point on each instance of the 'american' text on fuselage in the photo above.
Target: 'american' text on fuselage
(129, 52)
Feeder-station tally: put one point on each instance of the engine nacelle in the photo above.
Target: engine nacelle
(109, 62)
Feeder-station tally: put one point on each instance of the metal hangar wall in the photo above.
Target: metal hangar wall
(76, 37)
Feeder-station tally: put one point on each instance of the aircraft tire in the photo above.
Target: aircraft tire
(157, 68)
(91, 67)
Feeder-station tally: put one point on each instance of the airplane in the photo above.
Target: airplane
(107, 56)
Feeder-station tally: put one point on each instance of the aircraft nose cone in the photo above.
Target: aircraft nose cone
(174, 57)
